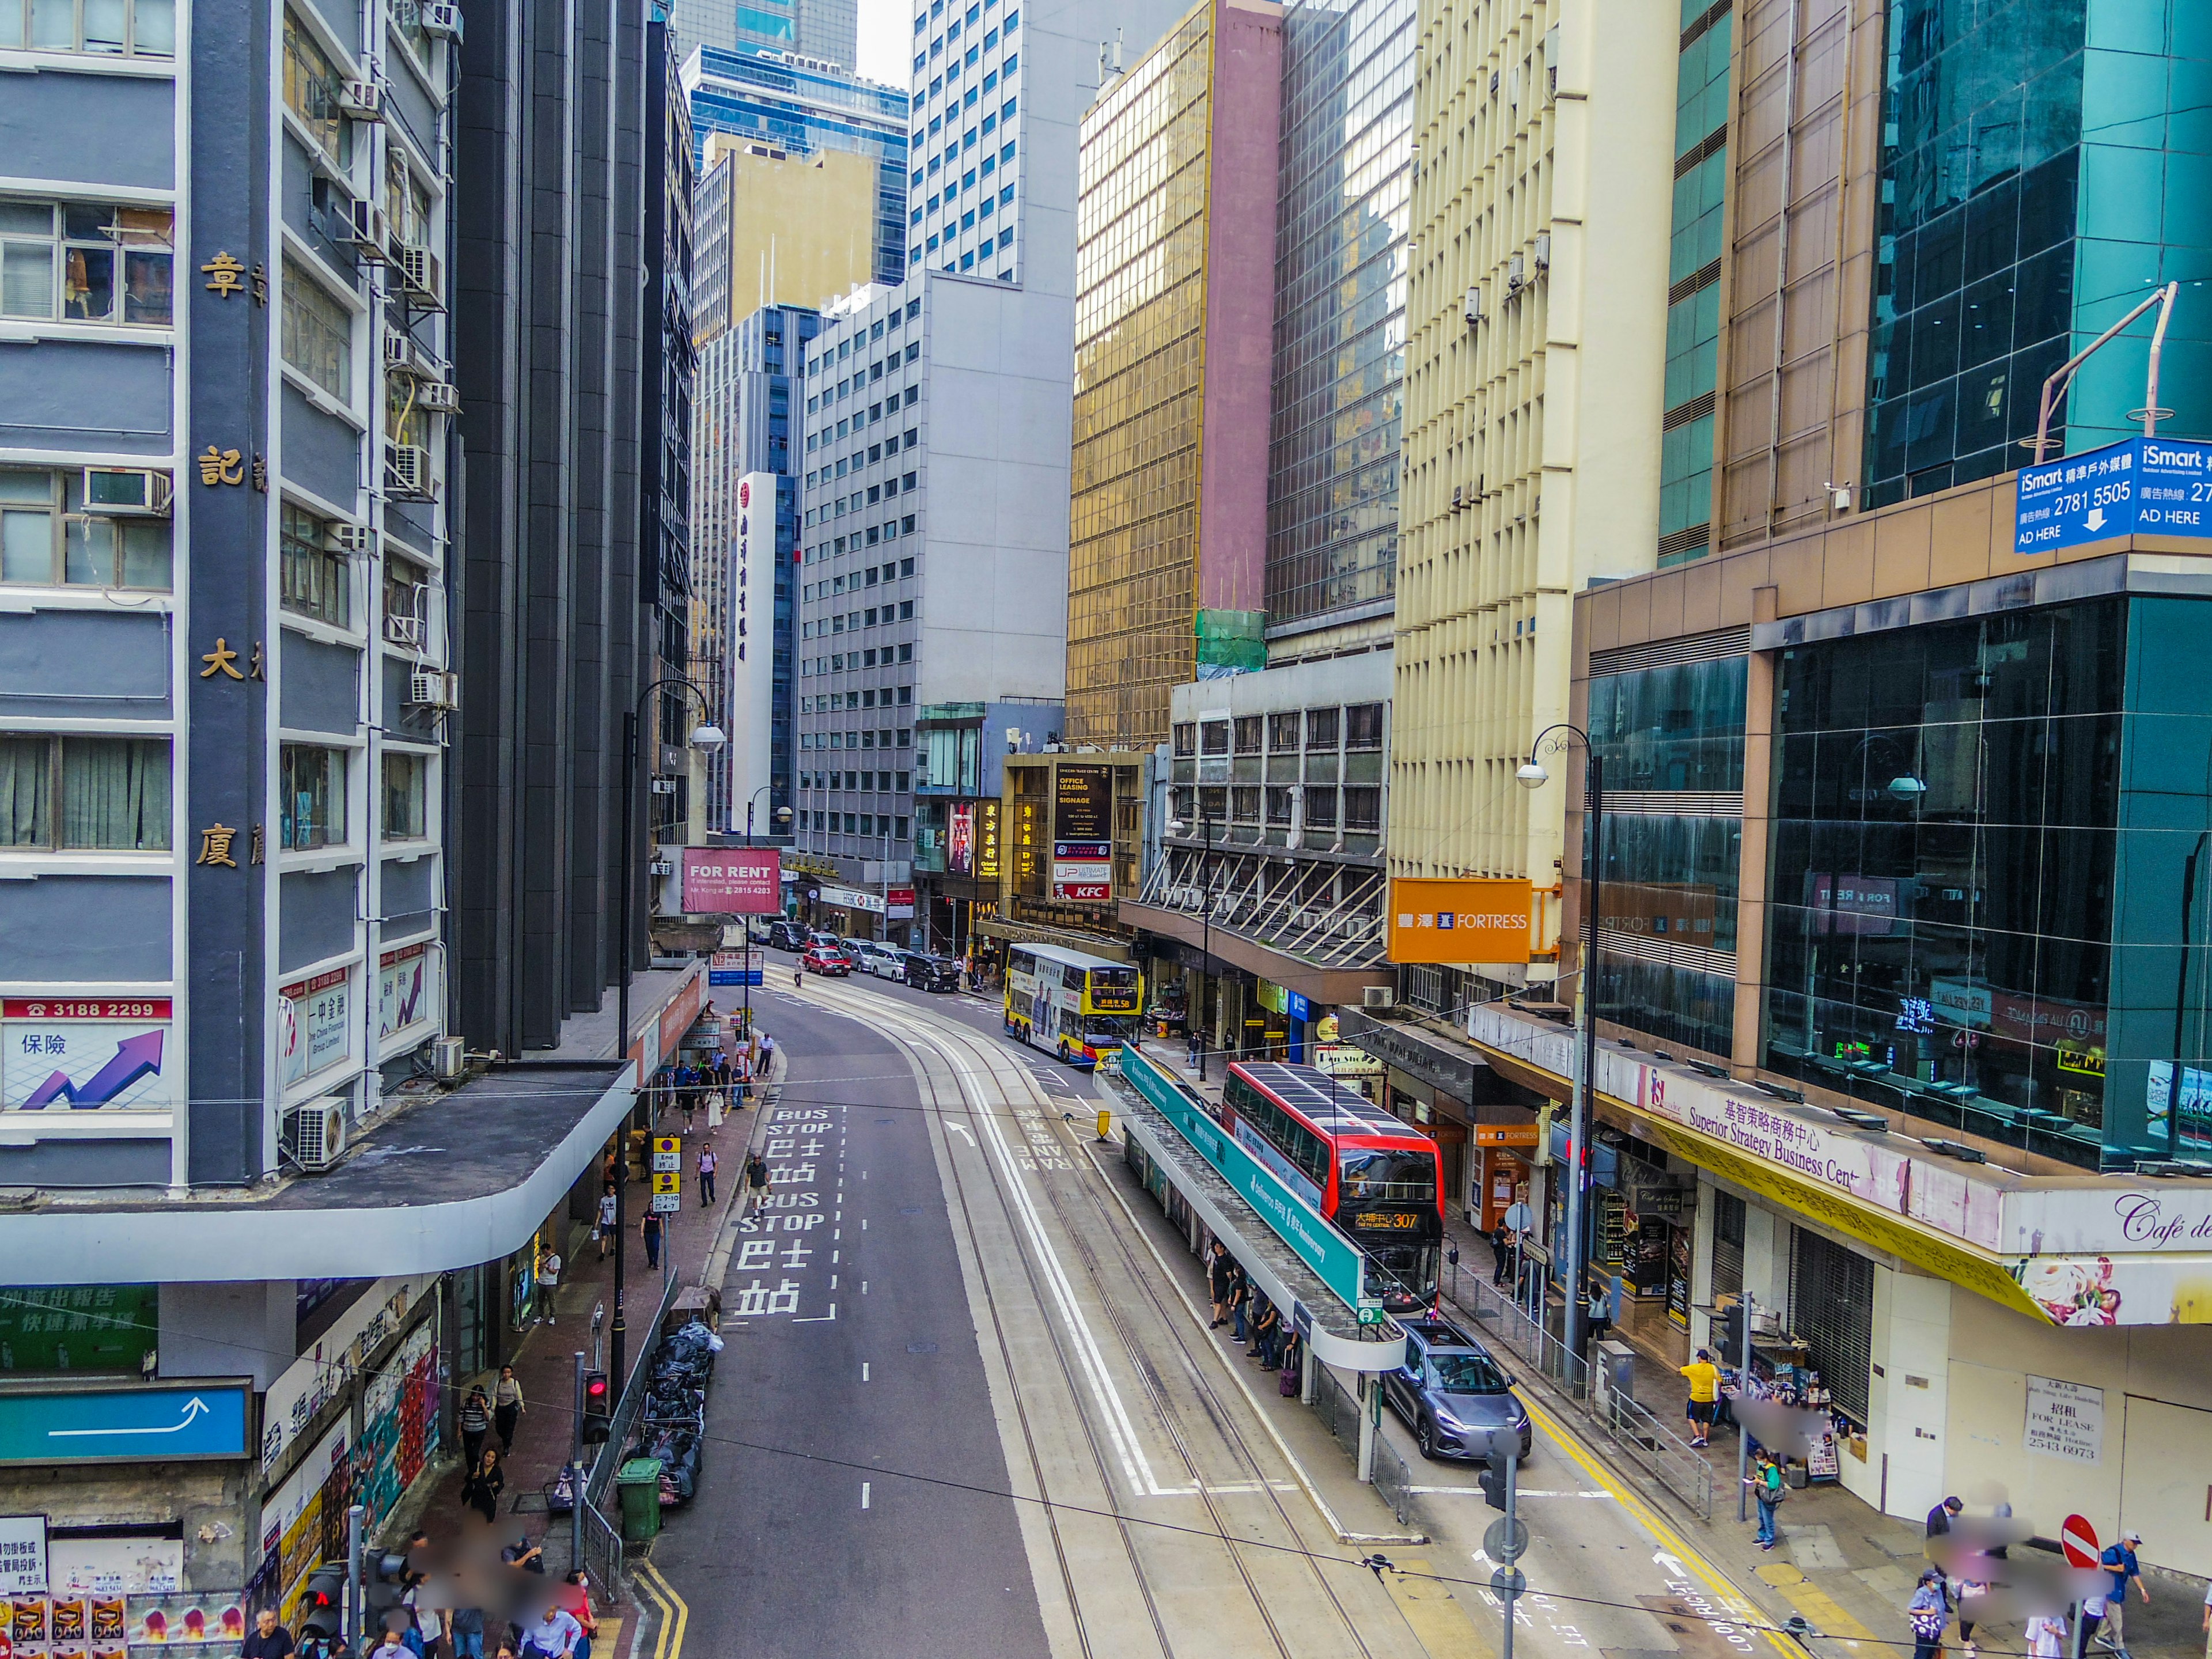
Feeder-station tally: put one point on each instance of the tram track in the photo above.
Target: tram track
(958, 1068)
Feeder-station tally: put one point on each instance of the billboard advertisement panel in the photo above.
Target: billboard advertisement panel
(1472, 919)
(732, 881)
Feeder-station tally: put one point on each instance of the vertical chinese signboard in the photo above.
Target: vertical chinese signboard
(1083, 834)
(86, 1054)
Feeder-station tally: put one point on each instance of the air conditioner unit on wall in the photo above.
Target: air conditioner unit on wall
(450, 1057)
(437, 398)
(315, 1133)
(407, 471)
(1378, 996)
(354, 540)
(362, 225)
(443, 21)
(361, 100)
(117, 492)
(420, 276)
(433, 688)
(1475, 305)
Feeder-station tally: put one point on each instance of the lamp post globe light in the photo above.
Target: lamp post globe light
(1532, 775)
(705, 736)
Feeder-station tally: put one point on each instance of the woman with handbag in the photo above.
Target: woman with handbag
(1929, 1611)
(1768, 1490)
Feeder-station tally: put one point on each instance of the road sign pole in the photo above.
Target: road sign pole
(576, 1470)
(1507, 1582)
(1742, 1390)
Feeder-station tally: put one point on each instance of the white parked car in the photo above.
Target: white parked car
(878, 958)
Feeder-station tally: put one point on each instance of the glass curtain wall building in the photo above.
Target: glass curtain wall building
(1694, 279)
(1672, 738)
(2044, 168)
(800, 108)
(1338, 404)
(1992, 875)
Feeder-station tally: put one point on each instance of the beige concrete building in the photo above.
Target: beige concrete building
(1536, 313)
(776, 228)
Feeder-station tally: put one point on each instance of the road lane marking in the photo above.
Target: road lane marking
(864, 1494)
(1733, 1601)
(864, 1371)
(675, 1612)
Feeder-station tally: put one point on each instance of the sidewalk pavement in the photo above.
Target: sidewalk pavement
(545, 1361)
(1849, 1570)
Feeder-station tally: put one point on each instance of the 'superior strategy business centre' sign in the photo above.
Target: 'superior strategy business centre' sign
(2157, 486)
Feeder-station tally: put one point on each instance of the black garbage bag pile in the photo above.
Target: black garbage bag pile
(676, 1408)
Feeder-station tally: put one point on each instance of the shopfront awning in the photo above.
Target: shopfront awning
(464, 1177)
(1318, 984)
(1441, 1065)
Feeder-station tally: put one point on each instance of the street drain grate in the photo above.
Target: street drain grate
(922, 1348)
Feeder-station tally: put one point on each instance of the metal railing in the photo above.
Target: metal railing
(627, 1407)
(1339, 1411)
(603, 1551)
(1393, 1479)
(1651, 1445)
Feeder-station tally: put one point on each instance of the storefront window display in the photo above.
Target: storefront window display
(1991, 877)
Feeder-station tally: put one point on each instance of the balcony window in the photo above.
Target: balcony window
(406, 603)
(85, 262)
(47, 539)
(1363, 811)
(1214, 737)
(1283, 732)
(1245, 805)
(406, 796)
(311, 580)
(313, 798)
(1363, 725)
(1248, 734)
(1320, 809)
(1322, 727)
(68, 794)
(1279, 809)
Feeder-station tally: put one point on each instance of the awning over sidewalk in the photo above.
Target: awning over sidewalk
(1316, 983)
(1448, 1066)
(464, 1177)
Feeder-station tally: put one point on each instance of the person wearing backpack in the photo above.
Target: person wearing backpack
(1769, 1491)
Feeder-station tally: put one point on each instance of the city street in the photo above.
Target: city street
(947, 1315)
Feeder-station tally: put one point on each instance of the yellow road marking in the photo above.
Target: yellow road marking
(1439, 1622)
(1668, 1540)
(1826, 1613)
(675, 1614)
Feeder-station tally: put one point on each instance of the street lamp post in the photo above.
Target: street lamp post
(1533, 776)
(746, 973)
(1205, 924)
(708, 736)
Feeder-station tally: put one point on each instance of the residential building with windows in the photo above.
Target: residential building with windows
(1536, 316)
(295, 813)
(1175, 260)
(791, 120)
(935, 472)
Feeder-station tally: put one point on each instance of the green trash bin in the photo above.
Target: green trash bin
(639, 1483)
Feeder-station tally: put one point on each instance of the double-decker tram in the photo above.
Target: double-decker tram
(1374, 1176)
(1077, 1006)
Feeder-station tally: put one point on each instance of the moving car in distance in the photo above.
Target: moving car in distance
(1452, 1394)
(825, 960)
(928, 973)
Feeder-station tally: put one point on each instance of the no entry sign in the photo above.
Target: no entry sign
(2078, 1539)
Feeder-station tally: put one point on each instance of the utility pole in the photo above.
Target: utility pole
(1743, 1439)
(576, 1470)
(354, 1515)
(1506, 1539)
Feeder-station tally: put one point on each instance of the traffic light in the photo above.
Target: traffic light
(383, 1582)
(1493, 1476)
(1732, 1333)
(599, 1408)
(322, 1603)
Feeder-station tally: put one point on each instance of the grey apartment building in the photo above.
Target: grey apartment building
(936, 460)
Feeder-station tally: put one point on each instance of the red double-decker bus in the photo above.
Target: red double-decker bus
(1376, 1176)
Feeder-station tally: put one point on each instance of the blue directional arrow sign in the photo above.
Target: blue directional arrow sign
(2158, 486)
(119, 1425)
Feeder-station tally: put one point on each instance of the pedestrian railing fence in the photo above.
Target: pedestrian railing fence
(1339, 1411)
(1653, 1445)
(644, 1338)
(603, 1549)
(1393, 1480)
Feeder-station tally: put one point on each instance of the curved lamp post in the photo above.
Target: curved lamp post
(1533, 776)
(1176, 826)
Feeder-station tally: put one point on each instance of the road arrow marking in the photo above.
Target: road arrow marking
(961, 1129)
(1673, 1564)
(195, 1407)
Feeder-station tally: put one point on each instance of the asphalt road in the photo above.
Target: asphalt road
(851, 1351)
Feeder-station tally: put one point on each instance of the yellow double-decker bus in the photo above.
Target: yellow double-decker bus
(1077, 1006)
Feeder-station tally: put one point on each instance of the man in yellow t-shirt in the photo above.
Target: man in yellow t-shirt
(1704, 1391)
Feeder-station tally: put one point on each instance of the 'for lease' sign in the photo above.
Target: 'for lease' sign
(2065, 1419)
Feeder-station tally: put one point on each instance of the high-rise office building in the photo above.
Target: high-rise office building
(788, 121)
(742, 607)
(780, 228)
(825, 30)
(937, 430)
(1536, 313)
(1174, 264)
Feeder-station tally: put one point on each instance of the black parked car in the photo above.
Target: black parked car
(788, 935)
(928, 973)
(1452, 1394)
